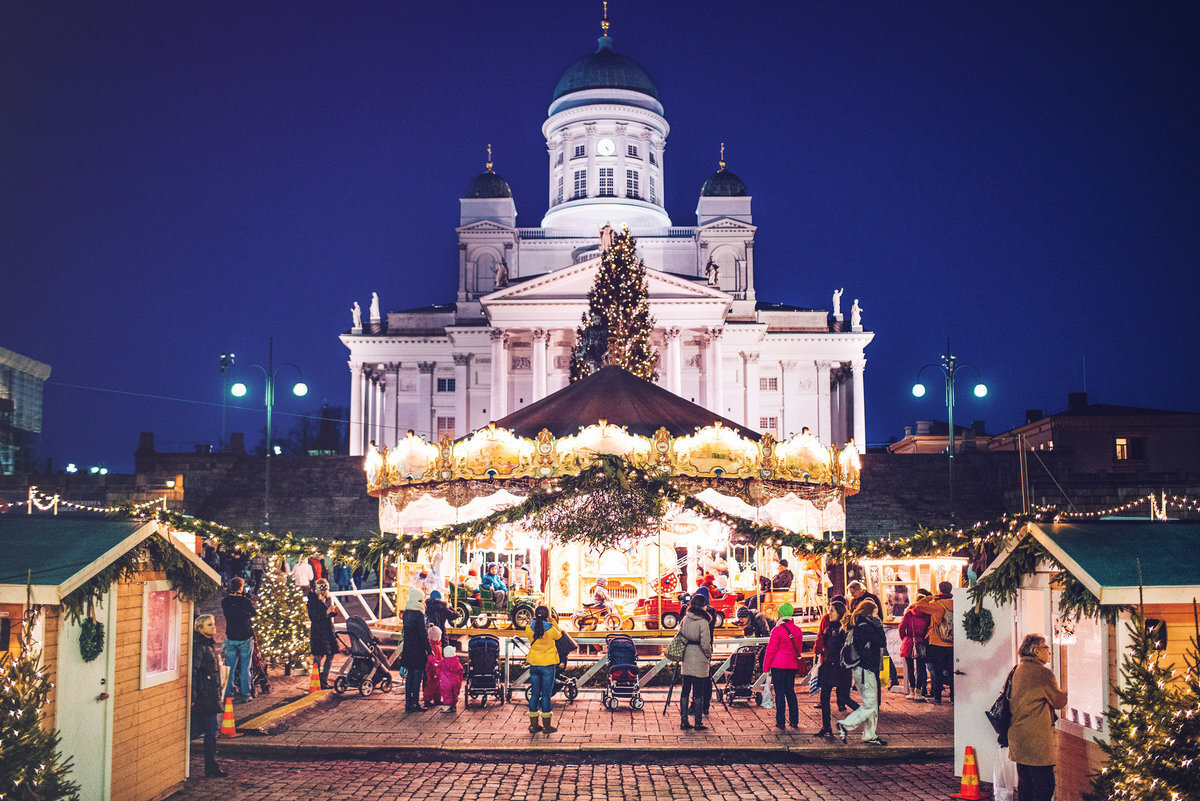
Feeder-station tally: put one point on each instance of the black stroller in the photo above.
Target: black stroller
(743, 670)
(567, 685)
(483, 670)
(622, 673)
(367, 669)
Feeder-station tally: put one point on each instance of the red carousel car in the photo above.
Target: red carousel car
(665, 607)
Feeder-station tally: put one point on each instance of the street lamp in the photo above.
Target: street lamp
(226, 364)
(299, 389)
(949, 365)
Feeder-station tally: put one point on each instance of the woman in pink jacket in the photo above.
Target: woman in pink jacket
(783, 660)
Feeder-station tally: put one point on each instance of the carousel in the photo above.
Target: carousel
(611, 481)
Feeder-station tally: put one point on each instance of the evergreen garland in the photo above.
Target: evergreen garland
(31, 767)
(281, 625)
(978, 624)
(617, 325)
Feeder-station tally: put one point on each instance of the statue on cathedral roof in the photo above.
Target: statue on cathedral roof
(837, 302)
(856, 315)
(375, 316)
(606, 238)
(356, 314)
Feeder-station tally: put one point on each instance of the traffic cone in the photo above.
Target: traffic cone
(969, 789)
(314, 679)
(227, 727)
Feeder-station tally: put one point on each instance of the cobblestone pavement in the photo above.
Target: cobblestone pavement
(261, 780)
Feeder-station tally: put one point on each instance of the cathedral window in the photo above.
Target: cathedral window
(580, 184)
(769, 425)
(445, 427)
(560, 190)
(632, 151)
(606, 182)
(632, 189)
(768, 384)
(653, 192)
(580, 151)
(445, 385)
(653, 158)
(559, 162)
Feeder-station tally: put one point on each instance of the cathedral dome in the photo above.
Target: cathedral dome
(488, 184)
(723, 183)
(605, 69)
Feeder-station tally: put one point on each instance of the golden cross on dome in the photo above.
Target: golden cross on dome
(489, 161)
(604, 21)
(722, 155)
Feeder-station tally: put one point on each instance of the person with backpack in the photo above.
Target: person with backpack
(783, 660)
(831, 675)
(865, 641)
(940, 650)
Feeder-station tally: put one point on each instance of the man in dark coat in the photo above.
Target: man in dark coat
(858, 594)
(321, 638)
(438, 613)
(206, 690)
(238, 610)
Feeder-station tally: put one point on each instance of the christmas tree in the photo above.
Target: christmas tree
(1140, 746)
(281, 625)
(616, 327)
(1179, 763)
(30, 764)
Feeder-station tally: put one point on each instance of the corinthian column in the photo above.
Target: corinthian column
(356, 409)
(750, 390)
(499, 407)
(824, 410)
(717, 392)
(462, 405)
(538, 365)
(674, 362)
(860, 405)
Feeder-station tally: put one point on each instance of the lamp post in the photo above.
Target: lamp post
(226, 364)
(299, 389)
(949, 365)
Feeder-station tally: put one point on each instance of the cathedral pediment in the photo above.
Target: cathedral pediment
(726, 225)
(484, 227)
(574, 283)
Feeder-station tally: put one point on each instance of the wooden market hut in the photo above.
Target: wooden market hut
(124, 715)
(1104, 557)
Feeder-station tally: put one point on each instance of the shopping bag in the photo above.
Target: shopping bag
(814, 678)
(1004, 776)
(768, 697)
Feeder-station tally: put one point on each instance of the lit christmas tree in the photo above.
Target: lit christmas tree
(281, 625)
(1143, 729)
(30, 764)
(616, 327)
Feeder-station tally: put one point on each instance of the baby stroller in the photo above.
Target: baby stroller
(367, 669)
(258, 670)
(743, 667)
(622, 673)
(483, 670)
(567, 685)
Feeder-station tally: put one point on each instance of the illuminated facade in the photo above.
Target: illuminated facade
(506, 340)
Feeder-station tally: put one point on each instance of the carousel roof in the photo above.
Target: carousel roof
(616, 395)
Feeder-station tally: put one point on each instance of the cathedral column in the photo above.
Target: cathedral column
(499, 405)
(356, 409)
(387, 407)
(377, 419)
(463, 289)
(462, 400)
(674, 362)
(393, 419)
(787, 415)
(860, 407)
(824, 429)
(717, 383)
(538, 363)
(750, 390)
(425, 392)
(705, 389)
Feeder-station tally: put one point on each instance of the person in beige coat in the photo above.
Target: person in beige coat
(697, 657)
(1031, 737)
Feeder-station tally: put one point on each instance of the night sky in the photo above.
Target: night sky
(183, 179)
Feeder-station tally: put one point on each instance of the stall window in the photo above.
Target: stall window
(160, 634)
(1078, 645)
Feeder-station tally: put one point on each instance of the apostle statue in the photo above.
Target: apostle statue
(712, 271)
(375, 316)
(837, 302)
(606, 238)
(356, 314)
(501, 271)
(855, 315)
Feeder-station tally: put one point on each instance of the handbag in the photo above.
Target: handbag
(920, 649)
(768, 696)
(1000, 714)
(676, 648)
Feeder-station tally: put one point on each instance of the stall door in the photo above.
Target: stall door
(85, 705)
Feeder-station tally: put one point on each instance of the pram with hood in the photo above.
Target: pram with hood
(483, 670)
(259, 681)
(622, 673)
(743, 670)
(367, 668)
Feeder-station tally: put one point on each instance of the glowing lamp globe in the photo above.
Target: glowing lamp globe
(918, 390)
(980, 390)
(300, 390)
(238, 390)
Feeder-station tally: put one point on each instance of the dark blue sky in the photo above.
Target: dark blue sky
(182, 179)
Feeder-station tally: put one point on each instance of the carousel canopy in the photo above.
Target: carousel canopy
(616, 395)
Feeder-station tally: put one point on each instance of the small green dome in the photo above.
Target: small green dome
(605, 69)
(723, 183)
(488, 184)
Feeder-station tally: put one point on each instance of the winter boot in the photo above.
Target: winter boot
(547, 726)
(534, 724)
(700, 723)
(684, 723)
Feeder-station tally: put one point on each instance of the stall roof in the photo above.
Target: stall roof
(1104, 556)
(616, 395)
(63, 552)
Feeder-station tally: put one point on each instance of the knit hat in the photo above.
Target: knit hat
(448, 652)
(414, 601)
(436, 595)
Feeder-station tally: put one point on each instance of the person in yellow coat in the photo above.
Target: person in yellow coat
(543, 661)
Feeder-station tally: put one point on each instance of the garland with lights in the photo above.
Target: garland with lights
(618, 316)
(31, 765)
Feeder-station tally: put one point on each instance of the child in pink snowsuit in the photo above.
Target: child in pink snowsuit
(431, 692)
(450, 678)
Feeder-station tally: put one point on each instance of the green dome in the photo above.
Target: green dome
(723, 183)
(605, 69)
(488, 184)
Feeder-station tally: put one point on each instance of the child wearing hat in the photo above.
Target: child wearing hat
(450, 679)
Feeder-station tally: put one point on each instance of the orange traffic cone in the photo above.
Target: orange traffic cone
(227, 727)
(314, 679)
(969, 789)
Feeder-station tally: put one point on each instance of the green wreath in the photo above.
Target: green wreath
(91, 639)
(978, 625)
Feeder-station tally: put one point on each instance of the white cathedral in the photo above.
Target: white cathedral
(507, 339)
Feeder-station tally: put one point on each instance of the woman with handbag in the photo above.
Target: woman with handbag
(1031, 737)
(831, 676)
(869, 640)
(914, 633)
(783, 660)
(695, 629)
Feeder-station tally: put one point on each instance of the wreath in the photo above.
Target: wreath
(91, 639)
(978, 625)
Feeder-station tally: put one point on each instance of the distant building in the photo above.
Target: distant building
(21, 380)
(930, 436)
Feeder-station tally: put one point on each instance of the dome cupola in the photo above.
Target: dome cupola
(723, 183)
(488, 184)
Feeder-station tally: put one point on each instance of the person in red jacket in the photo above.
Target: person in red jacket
(783, 660)
(914, 634)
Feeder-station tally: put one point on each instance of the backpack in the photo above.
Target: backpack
(945, 627)
(849, 656)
